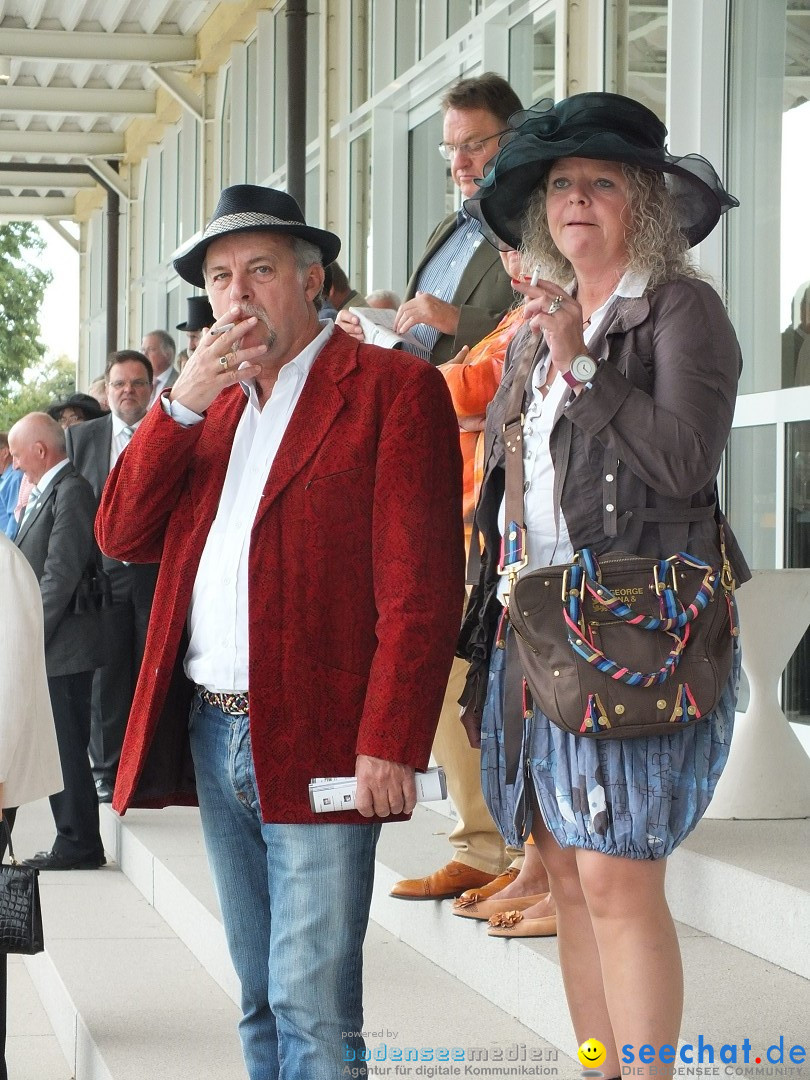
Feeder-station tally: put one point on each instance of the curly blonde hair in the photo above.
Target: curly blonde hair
(656, 244)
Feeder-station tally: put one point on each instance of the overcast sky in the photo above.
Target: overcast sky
(59, 317)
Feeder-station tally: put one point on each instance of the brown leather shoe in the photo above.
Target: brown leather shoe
(443, 884)
(486, 891)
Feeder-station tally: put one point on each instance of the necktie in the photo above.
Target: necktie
(32, 500)
(127, 432)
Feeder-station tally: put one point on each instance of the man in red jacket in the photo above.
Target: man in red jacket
(303, 494)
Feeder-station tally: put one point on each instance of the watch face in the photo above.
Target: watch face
(583, 368)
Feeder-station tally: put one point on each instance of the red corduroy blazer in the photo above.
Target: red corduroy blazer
(356, 577)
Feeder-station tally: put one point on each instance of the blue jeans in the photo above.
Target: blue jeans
(295, 901)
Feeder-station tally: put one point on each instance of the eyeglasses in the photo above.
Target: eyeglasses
(448, 150)
(133, 384)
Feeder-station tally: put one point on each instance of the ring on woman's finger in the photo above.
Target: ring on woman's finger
(555, 304)
(223, 362)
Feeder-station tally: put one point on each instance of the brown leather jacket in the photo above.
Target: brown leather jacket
(637, 455)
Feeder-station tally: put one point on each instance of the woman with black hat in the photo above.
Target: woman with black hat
(628, 367)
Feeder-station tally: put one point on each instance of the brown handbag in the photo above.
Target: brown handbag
(626, 646)
(623, 646)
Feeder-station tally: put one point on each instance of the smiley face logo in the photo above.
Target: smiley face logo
(592, 1054)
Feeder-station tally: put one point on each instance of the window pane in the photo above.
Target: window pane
(357, 266)
(459, 12)
(280, 92)
(225, 134)
(797, 554)
(432, 191)
(361, 38)
(313, 68)
(531, 58)
(795, 231)
(752, 493)
(312, 195)
(641, 35)
(251, 132)
(407, 35)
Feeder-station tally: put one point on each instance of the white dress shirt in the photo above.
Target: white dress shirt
(217, 656)
(547, 540)
(119, 439)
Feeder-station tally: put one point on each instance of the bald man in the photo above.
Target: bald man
(56, 536)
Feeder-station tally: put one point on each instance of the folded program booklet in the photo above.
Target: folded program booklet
(378, 328)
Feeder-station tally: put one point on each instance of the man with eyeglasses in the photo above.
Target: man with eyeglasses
(94, 447)
(459, 290)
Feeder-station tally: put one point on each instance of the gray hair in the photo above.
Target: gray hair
(306, 253)
(383, 298)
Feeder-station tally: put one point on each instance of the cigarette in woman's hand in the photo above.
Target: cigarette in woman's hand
(535, 275)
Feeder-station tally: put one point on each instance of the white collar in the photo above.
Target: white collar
(303, 361)
(118, 425)
(51, 475)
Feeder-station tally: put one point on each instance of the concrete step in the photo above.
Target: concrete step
(744, 882)
(407, 994)
(523, 977)
(124, 997)
(747, 883)
(136, 981)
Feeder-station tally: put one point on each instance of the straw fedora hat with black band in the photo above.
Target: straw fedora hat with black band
(251, 208)
(607, 127)
(199, 314)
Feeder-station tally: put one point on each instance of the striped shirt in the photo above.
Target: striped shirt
(442, 273)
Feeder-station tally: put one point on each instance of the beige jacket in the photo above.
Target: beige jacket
(29, 758)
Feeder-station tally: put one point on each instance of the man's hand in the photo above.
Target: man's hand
(425, 308)
(351, 324)
(383, 787)
(216, 363)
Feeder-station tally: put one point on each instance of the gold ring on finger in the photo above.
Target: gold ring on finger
(555, 305)
(223, 362)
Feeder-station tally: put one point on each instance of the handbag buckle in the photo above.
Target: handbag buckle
(661, 585)
(513, 550)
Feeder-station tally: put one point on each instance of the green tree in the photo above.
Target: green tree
(42, 385)
(22, 289)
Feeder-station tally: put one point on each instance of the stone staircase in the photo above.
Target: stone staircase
(136, 981)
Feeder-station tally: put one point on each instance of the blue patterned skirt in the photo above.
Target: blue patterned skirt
(633, 797)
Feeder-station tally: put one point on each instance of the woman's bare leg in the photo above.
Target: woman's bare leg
(638, 948)
(532, 879)
(579, 953)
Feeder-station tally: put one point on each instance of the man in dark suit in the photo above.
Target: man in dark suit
(56, 536)
(159, 348)
(94, 447)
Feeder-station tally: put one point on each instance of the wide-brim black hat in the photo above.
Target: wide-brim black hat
(83, 402)
(199, 314)
(606, 127)
(251, 208)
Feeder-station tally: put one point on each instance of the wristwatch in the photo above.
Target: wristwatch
(583, 368)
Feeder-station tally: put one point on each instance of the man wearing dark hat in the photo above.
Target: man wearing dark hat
(94, 448)
(199, 317)
(304, 494)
